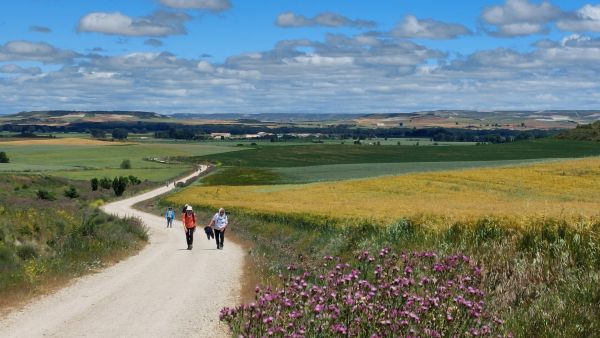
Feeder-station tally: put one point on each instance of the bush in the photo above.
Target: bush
(134, 180)
(94, 183)
(126, 164)
(71, 192)
(45, 195)
(105, 183)
(3, 157)
(26, 252)
(119, 184)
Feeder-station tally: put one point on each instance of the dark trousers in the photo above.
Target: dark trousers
(189, 235)
(219, 237)
(169, 222)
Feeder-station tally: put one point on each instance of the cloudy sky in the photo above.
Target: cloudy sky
(300, 56)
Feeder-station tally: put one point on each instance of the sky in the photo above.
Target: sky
(298, 56)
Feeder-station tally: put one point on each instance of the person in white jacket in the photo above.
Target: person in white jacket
(219, 224)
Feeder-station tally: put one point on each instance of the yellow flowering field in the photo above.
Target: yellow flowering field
(557, 189)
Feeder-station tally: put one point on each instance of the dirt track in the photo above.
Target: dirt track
(164, 291)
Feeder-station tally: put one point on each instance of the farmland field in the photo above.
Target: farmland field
(565, 188)
(84, 158)
(310, 155)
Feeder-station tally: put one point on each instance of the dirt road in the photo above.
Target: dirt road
(164, 291)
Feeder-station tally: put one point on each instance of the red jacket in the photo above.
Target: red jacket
(188, 221)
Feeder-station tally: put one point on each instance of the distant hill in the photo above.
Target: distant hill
(469, 119)
(65, 117)
(584, 132)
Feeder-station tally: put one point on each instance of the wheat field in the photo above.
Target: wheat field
(558, 189)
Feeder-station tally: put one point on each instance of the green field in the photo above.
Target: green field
(312, 155)
(312, 142)
(88, 161)
(336, 172)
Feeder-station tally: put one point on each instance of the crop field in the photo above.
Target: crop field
(85, 159)
(311, 155)
(559, 189)
(338, 172)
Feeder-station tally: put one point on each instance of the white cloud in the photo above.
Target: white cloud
(211, 5)
(15, 69)
(34, 51)
(160, 23)
(153, 43)
(39, 29)
(328, 19)
(411, 27)
(585, 19)
(519, 17)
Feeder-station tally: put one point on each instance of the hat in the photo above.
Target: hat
(188, 208)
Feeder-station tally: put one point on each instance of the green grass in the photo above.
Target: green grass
(301, 156)
(42, 241)
(338, 172)
(87, 161)
(241, 176)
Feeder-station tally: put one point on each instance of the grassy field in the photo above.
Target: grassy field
(339, 172)
(85, 159)
(565, 188)
(311, 155)
(45, 242)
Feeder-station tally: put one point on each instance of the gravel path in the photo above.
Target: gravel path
(164, 291)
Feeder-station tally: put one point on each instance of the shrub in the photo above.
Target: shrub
(26, 252)
(119, 184)
(418, 294)
(94, 183)
(71, 192)
(105, 183)
(3, 157)
(126, 164)
(134, 180)
(45, 195)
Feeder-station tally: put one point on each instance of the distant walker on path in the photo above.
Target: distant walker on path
(170, 215)
(189, 225)
(219, 223)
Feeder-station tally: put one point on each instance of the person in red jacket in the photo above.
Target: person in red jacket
(189, 224)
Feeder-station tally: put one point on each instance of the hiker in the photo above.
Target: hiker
(170, 215)
(219, 225)
(189, 225)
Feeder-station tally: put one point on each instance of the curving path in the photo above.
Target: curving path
(163, 291)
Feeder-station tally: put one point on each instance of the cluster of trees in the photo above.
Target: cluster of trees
(119, 130)
(118, 184)
(117, 134)
(3, 157)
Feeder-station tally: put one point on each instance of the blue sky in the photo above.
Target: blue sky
(327, 56)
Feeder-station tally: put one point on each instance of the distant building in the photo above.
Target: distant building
(220, 136)
(261, 134)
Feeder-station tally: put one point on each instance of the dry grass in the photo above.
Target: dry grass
(562, 189)
(60, 141)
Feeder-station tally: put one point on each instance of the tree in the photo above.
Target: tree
(71, 192)
(105, 183)
(126, 164)
(134, 180)
(45, 195)
(94, 183)
(98, 133)
(3, 157)
(120, 134)
(119, 184)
